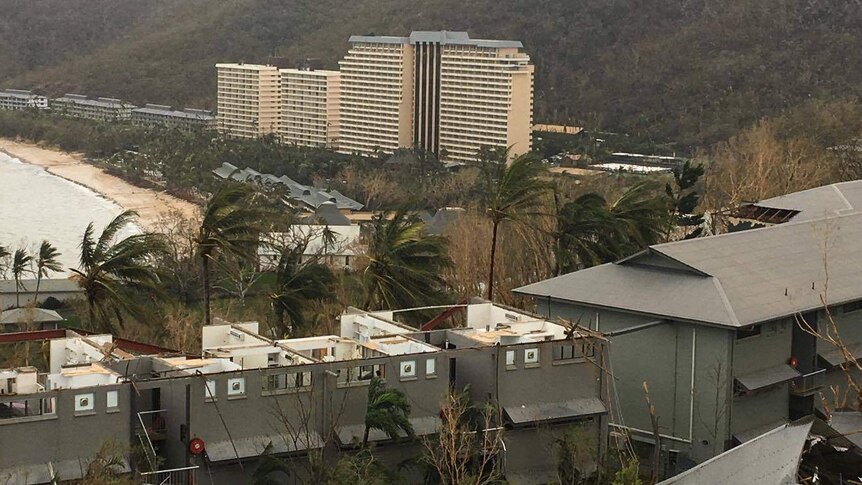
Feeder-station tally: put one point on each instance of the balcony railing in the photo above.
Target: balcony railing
(175, 476)
(807, 384)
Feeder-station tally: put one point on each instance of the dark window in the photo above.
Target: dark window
(746, 332)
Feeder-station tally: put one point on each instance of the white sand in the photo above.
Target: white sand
(151, 205)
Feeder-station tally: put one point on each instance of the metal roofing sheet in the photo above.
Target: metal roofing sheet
(849, 424)
(768, 377)
(753, 276)
(353, 434)
(835, 357)
(534, 413)
(820, 202)
(256, 445)
(769, 459)
(19, 315)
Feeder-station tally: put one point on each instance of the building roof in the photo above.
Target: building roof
(48, 285)
(304, 194)
(99, 102)
(734, 279)
(190, 114)
(328, 214)
(35, 315)
(829, 200)
(771, 458)
(439, 37)
(540, 412)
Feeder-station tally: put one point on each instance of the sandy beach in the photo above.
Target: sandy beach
(150, 205)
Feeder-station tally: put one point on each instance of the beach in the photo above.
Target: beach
(151, 205)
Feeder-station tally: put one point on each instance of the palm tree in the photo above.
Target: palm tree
(4, 255)
(231, 224)
(512, 192)
(296, 283)
(591, 231)
(21, 263)
(114, 275)
(387, 410)
(47, 260)
(404, 263)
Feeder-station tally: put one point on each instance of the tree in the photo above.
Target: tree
(684, 201)
(4, 259)
(405, 263)
(21, 263)
(513, 193)
(387, 410)
(115, 274)
(231, 225)
(46, 260)
(296, 283)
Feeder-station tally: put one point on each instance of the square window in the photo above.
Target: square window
(112, 399)
(236, 386)
(431, 367)
(84, 402)
(531, 356)
(408, 368)
(510, 358)
(210, 391)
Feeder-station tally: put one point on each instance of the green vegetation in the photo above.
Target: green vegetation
(388, 410)
(696, 72)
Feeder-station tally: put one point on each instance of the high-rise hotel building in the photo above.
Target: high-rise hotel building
(438, 91)
(248, 100)
(309, 107)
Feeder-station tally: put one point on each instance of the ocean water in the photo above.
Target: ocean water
(36, 205)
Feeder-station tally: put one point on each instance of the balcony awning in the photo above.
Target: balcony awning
(767, 377)
(48, 472)
(835, 357)
(575, 408)
(256, 445)
(352, 434)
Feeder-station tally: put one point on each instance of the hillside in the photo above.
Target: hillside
(694, 71)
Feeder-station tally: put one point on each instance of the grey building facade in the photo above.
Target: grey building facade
(719, 329)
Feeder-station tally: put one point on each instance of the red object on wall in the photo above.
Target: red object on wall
(196, 446)
(793, 362)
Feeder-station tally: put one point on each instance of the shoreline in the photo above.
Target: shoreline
(150, 204)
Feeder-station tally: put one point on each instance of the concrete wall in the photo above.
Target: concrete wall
(65, 435)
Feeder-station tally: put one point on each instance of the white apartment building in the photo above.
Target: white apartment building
(437, 91)
(309, 107)
(99, 109)
(376, 95)
(248, 100)
(17, 99)
(186, 120)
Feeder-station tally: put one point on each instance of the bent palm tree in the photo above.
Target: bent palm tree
(114, 275)
(388, 410)
(231, 224)
(404, 263)
(512, 192)
(4, 256)
(296, 283)
(47, 260)
(21, 263)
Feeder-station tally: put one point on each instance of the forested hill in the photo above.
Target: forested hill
(693, 71)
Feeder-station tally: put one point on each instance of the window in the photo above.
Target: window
(531, 356)
(26, 407)
(742, 333)
(84, 402)
(408, 368)
(359, 374)
(564, 352)
(430, 367)
(510, 358)
(287, 381)
(236, 386)
(210, 391)
(576, 350)
(112, 399)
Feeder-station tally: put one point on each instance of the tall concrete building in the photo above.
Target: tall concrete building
(248, 100)
(309, 107)
(437, 91)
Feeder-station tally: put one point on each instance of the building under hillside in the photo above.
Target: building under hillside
(97, 109)
(18, 99)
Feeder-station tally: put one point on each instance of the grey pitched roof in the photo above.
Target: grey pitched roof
(769, 459)
(305, 194)
(442, 218)
(829, 200)
(50, 285)
(328, 213)
(734, 279)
